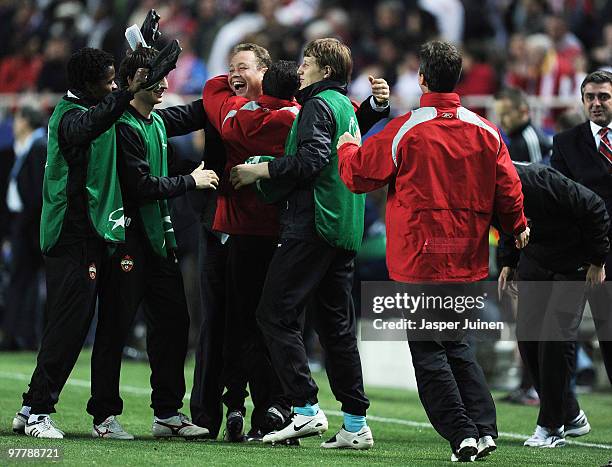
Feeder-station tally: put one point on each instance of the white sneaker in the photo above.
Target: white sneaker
(177, 426)
(348, 440)
(486, 445)
(579, 426)
(110, 429)
(546, 438)
(43, 427)
(467, 451)
(20, 419)
(299, 426)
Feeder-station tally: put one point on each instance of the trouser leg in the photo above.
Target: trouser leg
(335, 324)
(71, 300)
(206, 403)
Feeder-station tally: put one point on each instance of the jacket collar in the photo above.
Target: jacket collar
(315, 88)
(80, 97)
(274, 103)
(440, 99)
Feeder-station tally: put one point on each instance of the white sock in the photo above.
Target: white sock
(25, 410)
(34, 417)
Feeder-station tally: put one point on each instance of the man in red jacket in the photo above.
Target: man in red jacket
(448, 171)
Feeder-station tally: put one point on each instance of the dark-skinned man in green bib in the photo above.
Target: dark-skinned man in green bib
(321, 229)
(82, 213)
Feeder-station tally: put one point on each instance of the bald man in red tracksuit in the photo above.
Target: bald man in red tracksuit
(448, 170)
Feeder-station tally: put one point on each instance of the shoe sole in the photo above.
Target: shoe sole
(486, 451)
(581, 431)
(308, 435)
(185, 437)
(465, 454)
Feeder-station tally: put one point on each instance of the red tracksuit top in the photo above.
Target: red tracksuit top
(248, 128)
(448, 172)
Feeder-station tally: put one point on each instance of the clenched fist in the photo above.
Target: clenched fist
(205, 178)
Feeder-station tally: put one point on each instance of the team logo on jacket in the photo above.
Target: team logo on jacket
(92, 271)
(127, 263)
(447, 115)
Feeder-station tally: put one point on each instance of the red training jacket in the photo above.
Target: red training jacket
(248, 128)
(448, 171)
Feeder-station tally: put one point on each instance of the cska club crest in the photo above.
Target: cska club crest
(92, 271)
(127, 263)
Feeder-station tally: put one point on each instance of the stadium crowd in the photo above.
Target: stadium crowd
(511, 49)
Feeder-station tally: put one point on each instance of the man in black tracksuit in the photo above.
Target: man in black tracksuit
(145, 267)
(569, 242)
(75, 251)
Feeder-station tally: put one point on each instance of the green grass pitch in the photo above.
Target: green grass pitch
(401, 432)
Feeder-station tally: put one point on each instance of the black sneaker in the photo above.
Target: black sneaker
(273, 420)
(234, 427)
(254, 435)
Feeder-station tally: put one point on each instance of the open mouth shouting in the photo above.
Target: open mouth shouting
(239, 86)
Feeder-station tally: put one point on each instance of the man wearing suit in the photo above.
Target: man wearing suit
(24, 201)
(584, 154)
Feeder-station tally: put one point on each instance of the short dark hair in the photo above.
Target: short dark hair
(261, 54)
(597, 77)
(440, 65)
(139, 58)
(87, 65)
(515, 95)
(334, 54)
(33, 116)
(281, 80)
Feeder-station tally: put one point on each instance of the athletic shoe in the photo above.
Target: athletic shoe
(177, 426)
(486, 445)
(348, 440)
(546, 438)
(273, 420)
(299, 426)
(467, 451)
(234, 427)
(522, 397)
(43, 427)
(254, 435)
(579, 426)
(20, 419)
(110, 429)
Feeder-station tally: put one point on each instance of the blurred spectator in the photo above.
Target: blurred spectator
(209, 20)
(19, 72)
(52, 77)
(190, 73)
(566, 44)
(569, 119)
(602, 54)
(478, 78)
(407, 89)
(24, 199)
(450, 17)
(542, 71)
(247, 22)
(526, 16)
(526, 143)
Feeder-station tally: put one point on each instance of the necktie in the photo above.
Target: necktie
(605, 148)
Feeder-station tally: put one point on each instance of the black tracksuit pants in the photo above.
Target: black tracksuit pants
(136, 274)
(72, 275)
(453, 390)
(245, 349)
(300, 270)
(545, 307)
(206, 402)
(451, 383)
